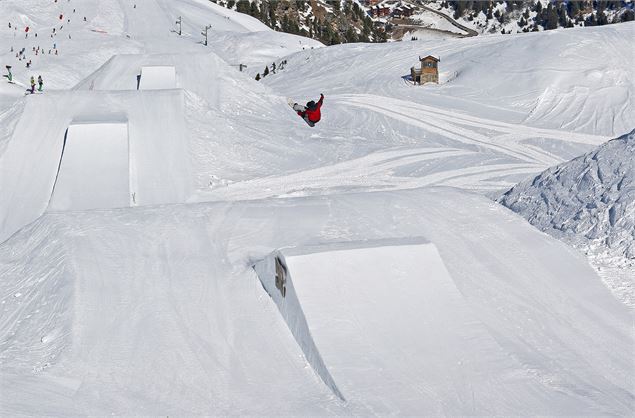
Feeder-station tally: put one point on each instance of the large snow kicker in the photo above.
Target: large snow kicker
(158, 167)
(276, 279)
(90, 150)
(157, 77)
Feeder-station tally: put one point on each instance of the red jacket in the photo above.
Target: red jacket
(314, 114)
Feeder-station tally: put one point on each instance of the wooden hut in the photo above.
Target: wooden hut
(428, 72)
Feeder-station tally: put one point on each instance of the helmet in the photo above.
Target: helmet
(311, 105)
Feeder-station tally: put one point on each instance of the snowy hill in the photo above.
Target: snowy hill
(142, 190)
(589, 202)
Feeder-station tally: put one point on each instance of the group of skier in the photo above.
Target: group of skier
(40, 84)
(40, 81)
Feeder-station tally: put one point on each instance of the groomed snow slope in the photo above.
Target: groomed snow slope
(187, 328)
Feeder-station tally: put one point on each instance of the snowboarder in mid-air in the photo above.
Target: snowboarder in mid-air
(311, 112)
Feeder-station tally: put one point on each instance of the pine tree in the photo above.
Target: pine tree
(336, 7)
(253, 9)
(350, 35)
(628, 16)
(272, 14)
(602, 19)
(551, 21)
(258, 77)
(266, 72)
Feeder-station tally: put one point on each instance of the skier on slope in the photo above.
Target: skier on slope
(40, 83)
(311, 112)
(32, 85)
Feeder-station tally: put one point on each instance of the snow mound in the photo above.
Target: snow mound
(589, 201)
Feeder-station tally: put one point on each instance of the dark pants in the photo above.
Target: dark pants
(302, 109)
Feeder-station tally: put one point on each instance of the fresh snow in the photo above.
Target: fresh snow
(590, 203)
(149, 303)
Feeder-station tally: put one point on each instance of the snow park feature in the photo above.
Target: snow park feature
(312, 288)
(91, 149)
(158, 160)
(138, 260)
(157, 77)
(173, 302)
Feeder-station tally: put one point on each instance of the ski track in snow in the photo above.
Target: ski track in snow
(372, 172)
(376, 171)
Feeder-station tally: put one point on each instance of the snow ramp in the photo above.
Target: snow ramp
(205, 74)
(90, 151)
(157, 77)
(94, 149)
(383, 321)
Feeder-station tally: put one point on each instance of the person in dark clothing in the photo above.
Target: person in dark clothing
(311, 112)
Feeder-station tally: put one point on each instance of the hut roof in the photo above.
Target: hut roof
(429, 57)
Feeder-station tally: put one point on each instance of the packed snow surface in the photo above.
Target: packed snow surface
(158, 311)
(90, 150)
(157, 78)
(127, 280)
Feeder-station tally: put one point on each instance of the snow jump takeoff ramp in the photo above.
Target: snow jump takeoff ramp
(94, 168)
(363, 312)
(157, 78)
(384, 322)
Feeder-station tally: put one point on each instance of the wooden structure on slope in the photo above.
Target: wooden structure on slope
(428, 72)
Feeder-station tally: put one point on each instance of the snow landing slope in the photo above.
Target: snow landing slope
(588, 202)
(154, 308)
